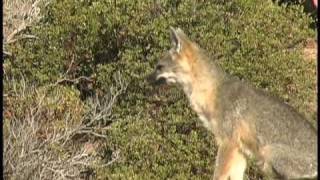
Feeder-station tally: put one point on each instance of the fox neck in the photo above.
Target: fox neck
(200, 88)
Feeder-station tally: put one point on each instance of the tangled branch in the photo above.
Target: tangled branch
(35, 149)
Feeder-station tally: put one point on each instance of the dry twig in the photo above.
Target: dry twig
(54, 154)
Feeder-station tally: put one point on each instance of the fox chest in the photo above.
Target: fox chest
(200, 106)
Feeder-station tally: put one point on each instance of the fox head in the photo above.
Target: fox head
(175, 65)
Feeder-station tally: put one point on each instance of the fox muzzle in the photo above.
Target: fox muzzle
(153, 80)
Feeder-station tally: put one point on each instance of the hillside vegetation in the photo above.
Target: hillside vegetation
(76, 103)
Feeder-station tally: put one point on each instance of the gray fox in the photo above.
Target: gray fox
(245, 121)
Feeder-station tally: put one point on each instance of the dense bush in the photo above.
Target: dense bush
(154, 130)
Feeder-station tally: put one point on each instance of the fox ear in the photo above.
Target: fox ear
(176, 38)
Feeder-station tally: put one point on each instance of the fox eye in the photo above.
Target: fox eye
(159, 67)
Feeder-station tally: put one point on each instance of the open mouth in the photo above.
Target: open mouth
(168, 78)
(163, 79)
(153, 79)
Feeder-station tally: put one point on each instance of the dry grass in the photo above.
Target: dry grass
(17, 16)
(310, 50)
(50, 134)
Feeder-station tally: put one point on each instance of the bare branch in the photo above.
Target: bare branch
(10, 37)
(35, 135)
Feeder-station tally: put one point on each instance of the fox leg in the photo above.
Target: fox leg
(230, 163)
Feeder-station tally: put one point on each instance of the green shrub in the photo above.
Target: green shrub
(156, 133)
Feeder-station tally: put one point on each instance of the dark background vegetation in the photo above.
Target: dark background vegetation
(76, 104)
